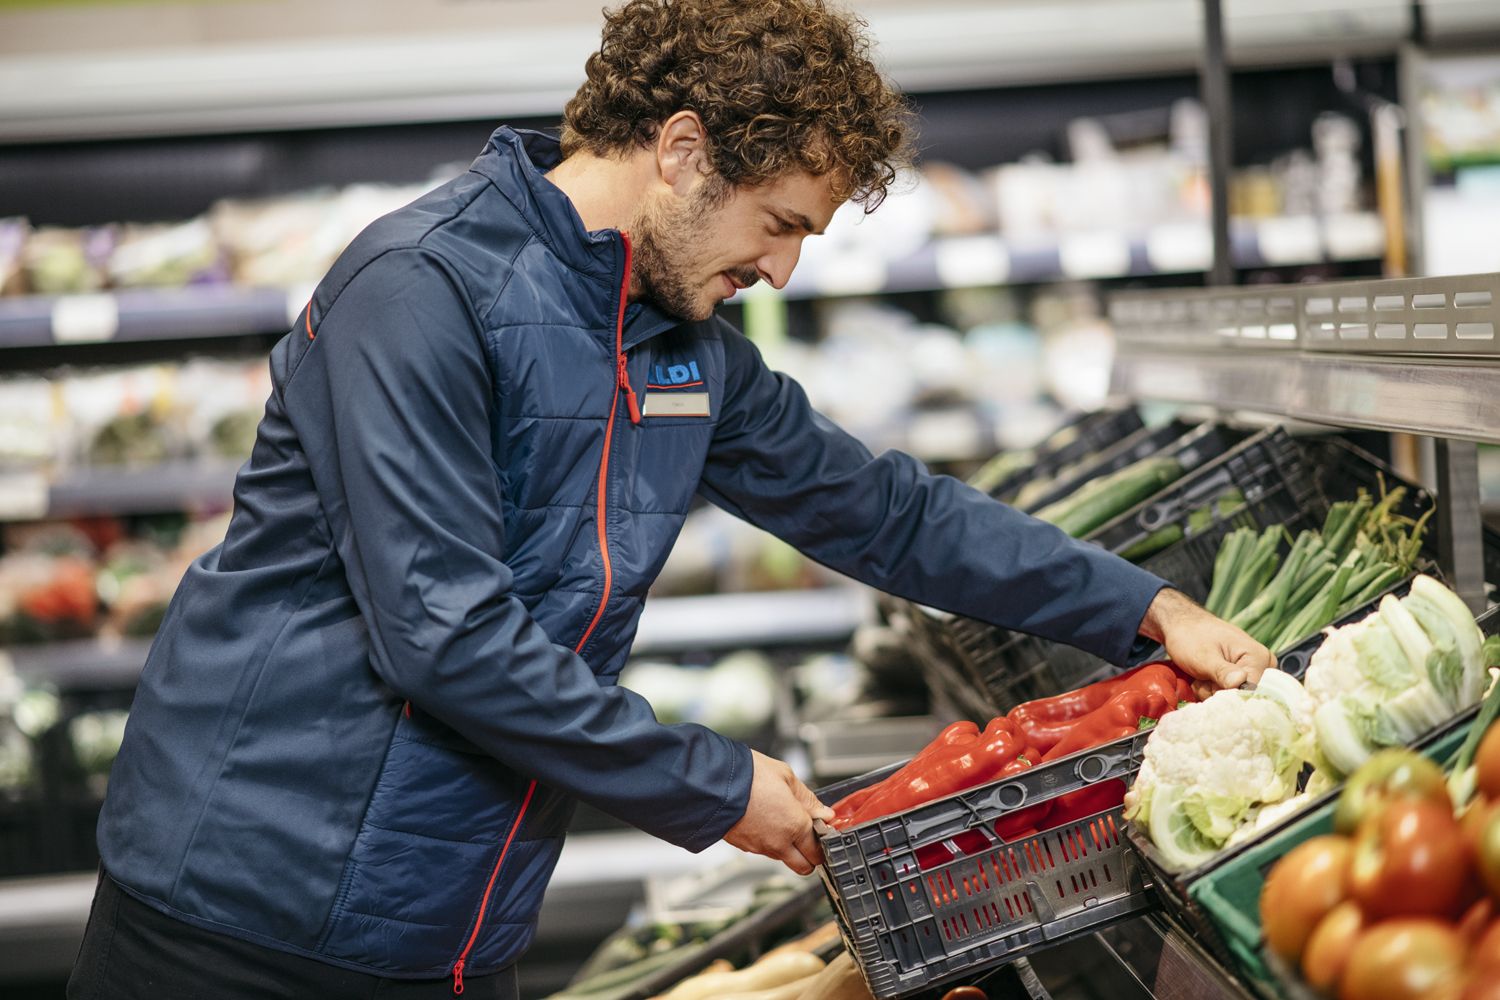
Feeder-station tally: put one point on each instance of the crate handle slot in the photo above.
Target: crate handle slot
(1092, 768)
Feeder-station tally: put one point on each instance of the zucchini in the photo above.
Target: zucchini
(1101, 500)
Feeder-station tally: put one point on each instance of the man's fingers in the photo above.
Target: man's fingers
(815, 807)
(808, 846)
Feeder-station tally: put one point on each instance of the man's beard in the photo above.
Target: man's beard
(666, 243)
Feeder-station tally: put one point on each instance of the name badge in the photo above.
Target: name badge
(676, 404)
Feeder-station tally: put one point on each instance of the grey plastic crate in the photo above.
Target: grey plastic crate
(911, 928)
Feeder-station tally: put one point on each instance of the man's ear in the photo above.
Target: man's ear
(682, 151)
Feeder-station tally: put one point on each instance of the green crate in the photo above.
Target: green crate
(1230, 895)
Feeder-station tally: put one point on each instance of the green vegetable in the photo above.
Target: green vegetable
(1461, 764)
(1100, 500)
(1226, 567)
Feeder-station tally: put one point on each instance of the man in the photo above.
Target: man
(360, 733)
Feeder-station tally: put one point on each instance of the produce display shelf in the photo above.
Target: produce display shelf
(1181, 248)
(195, 311)
(1197, 897)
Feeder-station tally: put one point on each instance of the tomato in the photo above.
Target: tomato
(1488, 857)
(1472, 824)
(1389, 776)
(1487, 763)
(1304, 885)
(1410, 860)
(1486, 951)
(1407, 959)
(1328, 947)
(1482, 985)
(1476, 920)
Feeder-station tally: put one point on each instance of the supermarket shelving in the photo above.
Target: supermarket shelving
(1420, 355)
(193, 312)
(205, 485)
(668, 625)
(971, 261)
(207, 311)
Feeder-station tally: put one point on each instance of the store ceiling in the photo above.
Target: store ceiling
(93, 70)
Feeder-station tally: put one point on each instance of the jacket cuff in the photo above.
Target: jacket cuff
(1137, 592)
(732, 805)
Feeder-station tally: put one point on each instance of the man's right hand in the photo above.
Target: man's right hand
(778, 820)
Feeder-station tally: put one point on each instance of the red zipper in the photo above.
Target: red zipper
(484, 902)
(622, 381)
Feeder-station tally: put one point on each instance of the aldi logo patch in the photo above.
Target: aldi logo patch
(675, 376)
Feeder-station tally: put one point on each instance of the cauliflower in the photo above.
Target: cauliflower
(1210, 767)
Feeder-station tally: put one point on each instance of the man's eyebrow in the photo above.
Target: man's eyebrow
(797, 219)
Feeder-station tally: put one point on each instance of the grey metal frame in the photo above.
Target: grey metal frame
(1420, 355)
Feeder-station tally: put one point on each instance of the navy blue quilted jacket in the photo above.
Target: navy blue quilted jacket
(364, 723)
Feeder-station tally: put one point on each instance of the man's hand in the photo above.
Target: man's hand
(778, 821)
(1221, 655)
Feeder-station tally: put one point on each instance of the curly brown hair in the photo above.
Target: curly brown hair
(779, 84)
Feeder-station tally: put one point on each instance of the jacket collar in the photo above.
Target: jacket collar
(516, 160)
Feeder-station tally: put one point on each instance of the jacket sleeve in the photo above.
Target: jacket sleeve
(392, 404)
(888, 522)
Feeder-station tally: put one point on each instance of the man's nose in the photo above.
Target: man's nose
(775, 269)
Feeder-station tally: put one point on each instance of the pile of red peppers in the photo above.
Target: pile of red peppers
(963, 756)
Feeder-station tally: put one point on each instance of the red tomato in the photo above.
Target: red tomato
(1389, 776)
(1304, 885)
(1485, 955)
(1410, 861)
(1408, 959)
(1487, 763)
(1472, 824)
(1328, 947)
(1487, 857)
(1477, 918)
(1482, 985)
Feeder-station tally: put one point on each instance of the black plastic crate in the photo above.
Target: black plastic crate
(1189, 442)
(1284, 481)
(1016, 667)
(1077, 439)
(911, 928)
(1269, 470)
(1173, 887)
(929, 640)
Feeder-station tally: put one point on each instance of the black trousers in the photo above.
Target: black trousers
(132, 952)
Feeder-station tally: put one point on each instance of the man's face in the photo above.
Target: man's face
(693, 252)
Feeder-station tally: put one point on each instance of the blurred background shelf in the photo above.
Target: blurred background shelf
(668, 625)
(109, 490)
(192, 313)
(1187, 248)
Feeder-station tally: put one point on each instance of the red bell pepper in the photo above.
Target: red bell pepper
(1087, 801)
(956, 733)
(1024, 822)
(1120, 716)
(944, 772)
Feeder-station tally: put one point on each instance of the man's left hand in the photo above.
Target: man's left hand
(1219, 654)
